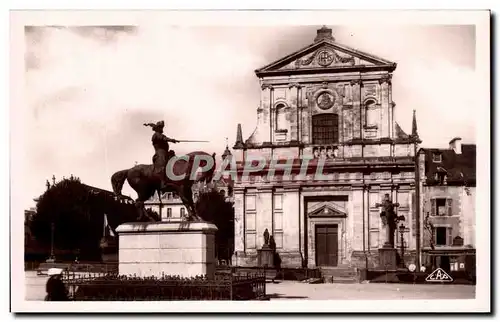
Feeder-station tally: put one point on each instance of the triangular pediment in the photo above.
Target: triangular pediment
(325, 55)
(327, 209)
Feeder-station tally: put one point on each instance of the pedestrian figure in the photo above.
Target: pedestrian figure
(56, 291)
(276, 259)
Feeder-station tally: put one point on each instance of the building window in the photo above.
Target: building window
(281, 123)
(441, 207)
(436, 157)
(183, 212)
(442, 236)
(372, 114)
(325, 128)
(440, 178)
(169, 212)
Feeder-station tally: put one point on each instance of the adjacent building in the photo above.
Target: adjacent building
(331, 105)
(448, 205)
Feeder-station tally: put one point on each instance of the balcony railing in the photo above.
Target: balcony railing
(325, 151)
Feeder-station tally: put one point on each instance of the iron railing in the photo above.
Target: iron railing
(112, 287)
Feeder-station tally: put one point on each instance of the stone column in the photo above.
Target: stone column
(239, 220)
(366, 214)
(272, 124)
(356, 108)
(266, 101)
(265, 213)
(356, 219)
(385, 106)
(294, 89)
(291, 226)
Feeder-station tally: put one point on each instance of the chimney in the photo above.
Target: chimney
(324, 33)
(456, 145)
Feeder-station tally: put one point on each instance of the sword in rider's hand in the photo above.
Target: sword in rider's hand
(192, 141)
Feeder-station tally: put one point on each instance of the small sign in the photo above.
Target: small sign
(439, 275)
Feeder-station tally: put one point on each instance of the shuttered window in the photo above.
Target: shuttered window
(443, 236)
(441, 207)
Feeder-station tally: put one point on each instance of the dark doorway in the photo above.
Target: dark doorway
(441, 235)
(445, 263)
(327, 248)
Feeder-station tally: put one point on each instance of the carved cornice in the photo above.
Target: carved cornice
(239, 190)
(265, 189)
(386, 186)
(265, 86)
(356, 82)
(358, 186)
(292, 85)
(385, 79)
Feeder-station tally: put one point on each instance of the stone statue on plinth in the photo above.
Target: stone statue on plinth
(387, 254)
(265, 254)
(266, 237)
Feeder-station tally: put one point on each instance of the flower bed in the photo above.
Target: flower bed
(112, 287)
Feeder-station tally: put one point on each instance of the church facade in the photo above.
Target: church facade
(333, 105)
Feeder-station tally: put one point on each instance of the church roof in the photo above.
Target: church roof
(325, 55)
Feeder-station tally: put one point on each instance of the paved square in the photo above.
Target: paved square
(295, 290)
(289, 290)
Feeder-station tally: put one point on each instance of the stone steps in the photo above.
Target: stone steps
(343, 275)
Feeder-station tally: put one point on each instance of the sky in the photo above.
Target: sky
(89, 89)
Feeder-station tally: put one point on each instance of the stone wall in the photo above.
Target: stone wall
(462, 219)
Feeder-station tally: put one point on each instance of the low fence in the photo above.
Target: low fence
(101, 268)
(112, 287)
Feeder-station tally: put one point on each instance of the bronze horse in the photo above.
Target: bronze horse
(143, 180)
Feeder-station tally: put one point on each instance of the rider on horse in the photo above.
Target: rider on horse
(162, 151)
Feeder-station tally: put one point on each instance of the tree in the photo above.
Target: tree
(212, 207)
(77, 213)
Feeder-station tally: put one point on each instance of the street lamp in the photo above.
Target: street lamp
(401, 231)
(52, 257)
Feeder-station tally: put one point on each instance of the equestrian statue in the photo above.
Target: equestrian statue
(148, 179)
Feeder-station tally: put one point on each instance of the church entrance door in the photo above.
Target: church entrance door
(327, 248)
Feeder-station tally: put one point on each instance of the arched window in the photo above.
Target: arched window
(372, 113)
(325, 128)
(281, 123)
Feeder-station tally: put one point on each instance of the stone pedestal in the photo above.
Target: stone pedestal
(169, 248)
(265, 257)
(387, 258)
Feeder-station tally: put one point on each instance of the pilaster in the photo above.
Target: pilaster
(291, 219)
(265, 213)
(355, 223)
(356, 108)
(239, 220)
(385, 84)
